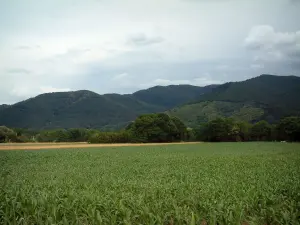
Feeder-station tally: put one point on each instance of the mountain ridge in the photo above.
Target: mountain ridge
(266, 97)
(84, 108)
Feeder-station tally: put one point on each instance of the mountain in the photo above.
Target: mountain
(171, 96)
(89, 109)
(4, 106)
(266, 97)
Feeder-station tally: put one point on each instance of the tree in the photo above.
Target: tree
(110, 137)
(244, 130)
(157, 128)
(7, 135)
(220, 129)
(289, 129)
(182, 133)
(261, 131)
(223, 129)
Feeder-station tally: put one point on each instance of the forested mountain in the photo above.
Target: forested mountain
(4, 106)
(90, 110)
(171, 96)
(265, 97)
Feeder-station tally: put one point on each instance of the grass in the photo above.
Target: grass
(225, 183)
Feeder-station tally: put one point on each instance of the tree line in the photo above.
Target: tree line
(161, 127)
(227, 129)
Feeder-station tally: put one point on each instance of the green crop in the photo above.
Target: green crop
(225, 183)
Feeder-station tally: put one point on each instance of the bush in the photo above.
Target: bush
(7, 135)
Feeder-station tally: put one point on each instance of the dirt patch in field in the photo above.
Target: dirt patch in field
(39, 146)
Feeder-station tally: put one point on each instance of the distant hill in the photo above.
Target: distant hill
(170, 96)
(4, 106)
(91, 110)
(266, 97)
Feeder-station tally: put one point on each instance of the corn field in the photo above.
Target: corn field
(222, 183)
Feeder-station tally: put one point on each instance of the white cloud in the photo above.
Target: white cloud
(26, 91)
(86, 44)
(203, 81)
(271, 45)
(198, 81)
(49, 89)
(165, 82)
(222, 67)
(120, 76)
(257, 66)
(140, 39)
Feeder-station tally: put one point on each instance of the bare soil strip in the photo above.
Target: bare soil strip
(39, 146)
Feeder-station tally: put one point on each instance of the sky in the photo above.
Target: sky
(121, 46)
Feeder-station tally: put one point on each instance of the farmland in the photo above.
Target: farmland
(224, 183)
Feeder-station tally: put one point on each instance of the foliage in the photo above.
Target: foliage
(65, 135)
(227, 129)
(157, 128)
(224, 183)
(191, 114)
(146, 128)
(280, 92)
(7, 135)
(110, 137)
(221, 129)
(261, 131)
(265, 97)
(164, 128)
(289, 129)
(172, 95)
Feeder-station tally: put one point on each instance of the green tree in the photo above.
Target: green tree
(223, 129)
(7, 135)
(182, 133)
(289, 129)
(110, 137)
(244, 130)
(157, 128)
(261, 131)
(220, 129)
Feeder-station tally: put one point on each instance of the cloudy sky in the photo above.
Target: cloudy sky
(125, 45)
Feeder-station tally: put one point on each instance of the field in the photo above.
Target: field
(222, 183)
(39, 146)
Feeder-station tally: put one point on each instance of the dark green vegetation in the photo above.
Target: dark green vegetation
(223, 183)
(265, 97)
(173, 95)
(195, 113)
(4, 106)
(227, 129)
(161, 127)
(146, 128)
(86, 109)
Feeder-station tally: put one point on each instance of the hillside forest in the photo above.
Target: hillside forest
(263, 108)
(160, 127)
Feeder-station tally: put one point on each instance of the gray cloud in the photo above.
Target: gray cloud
(27, 47)
(295, 1)
(269, 45)
(265, 37)
(209, 1)
(18, 70)
(117, 46)
(72, 52)
(141, 39)
(23, 47)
